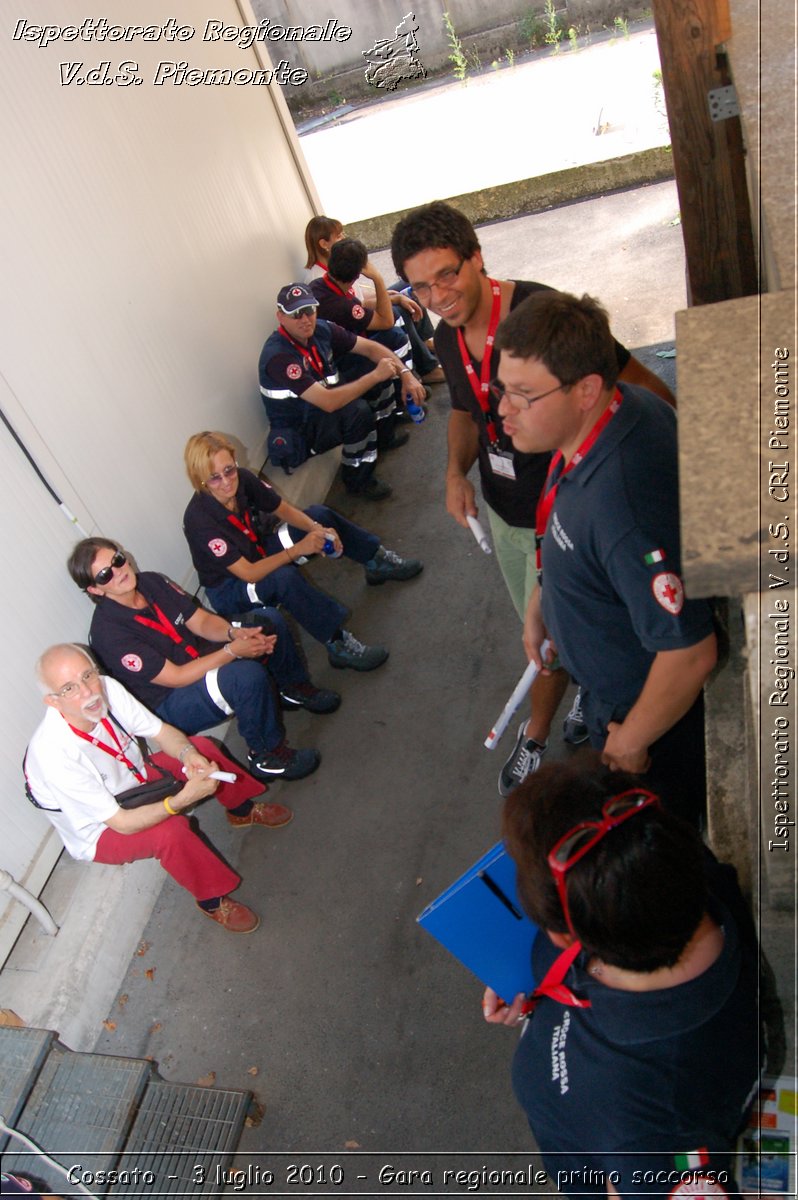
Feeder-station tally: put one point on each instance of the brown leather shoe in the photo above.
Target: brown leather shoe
(234, 916)
(272, 815)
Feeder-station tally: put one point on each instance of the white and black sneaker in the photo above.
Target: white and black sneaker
(283, 762)
(526, 757)
(574, 729)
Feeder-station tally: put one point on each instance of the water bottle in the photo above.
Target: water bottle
(414, 411)
(329, 549)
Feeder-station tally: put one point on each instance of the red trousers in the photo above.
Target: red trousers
(189, 861)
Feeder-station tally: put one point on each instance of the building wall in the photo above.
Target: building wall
(145, 232)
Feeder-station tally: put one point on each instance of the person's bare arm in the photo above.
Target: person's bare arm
(134, 820)
(463, 444)
(382, 315)
(635, 373)
(331, 399)
(411, 386)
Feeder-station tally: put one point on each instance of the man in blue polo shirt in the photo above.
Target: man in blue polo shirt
(612, 598)
(299, 382)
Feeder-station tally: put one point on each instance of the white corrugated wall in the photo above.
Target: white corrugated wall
(144, 234)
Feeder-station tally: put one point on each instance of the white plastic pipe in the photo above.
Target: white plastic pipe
(34, 906)
(520, 690)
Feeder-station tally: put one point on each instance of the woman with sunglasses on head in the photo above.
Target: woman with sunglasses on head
(246, 540)
(640, 1048)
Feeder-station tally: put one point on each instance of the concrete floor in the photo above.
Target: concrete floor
(353, 1028)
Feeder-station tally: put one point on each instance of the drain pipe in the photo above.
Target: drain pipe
(34, 906)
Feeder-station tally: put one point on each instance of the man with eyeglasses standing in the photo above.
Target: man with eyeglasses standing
(188, 665)
(436, 250)
(611, 596)
(84, 756)
(306, 404)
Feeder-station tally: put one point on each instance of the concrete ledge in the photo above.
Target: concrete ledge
(534, 195)
(101, 912)
(308, 484)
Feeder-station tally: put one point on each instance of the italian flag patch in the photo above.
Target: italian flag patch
(654, 557)
(693, 1160)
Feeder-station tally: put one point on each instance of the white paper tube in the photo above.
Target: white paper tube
(224, 776)
(479, 534)
(521, 689)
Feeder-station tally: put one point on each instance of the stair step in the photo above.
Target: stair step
(22, 1053)
(185, 1135)
(80, 1100)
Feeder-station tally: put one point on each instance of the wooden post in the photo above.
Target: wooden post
(708, 156)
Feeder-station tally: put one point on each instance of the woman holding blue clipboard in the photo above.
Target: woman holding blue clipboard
(639, 1053)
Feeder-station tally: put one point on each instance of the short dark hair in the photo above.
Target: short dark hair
(571, 337)
(81, 558)
(637, 897)
(435, 226)
(348, 257)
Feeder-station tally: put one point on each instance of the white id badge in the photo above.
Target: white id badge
(502, 463)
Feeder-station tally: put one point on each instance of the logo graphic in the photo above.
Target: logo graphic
(293, 371)
(132, 662)
(390, 60)
(358, 312)
(668, 592)
(217, 547)
(698, 1186)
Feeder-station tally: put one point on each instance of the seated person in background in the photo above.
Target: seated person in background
(191, 667)
(654, 1024)
(298, 374)
(244, 561)
(84, 754)
(321, 234)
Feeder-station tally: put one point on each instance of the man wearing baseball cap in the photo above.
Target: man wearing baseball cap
(308, 409)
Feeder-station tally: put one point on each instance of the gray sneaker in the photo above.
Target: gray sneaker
(387, 564)
(526, 757)
(347, 651)
(574, 730)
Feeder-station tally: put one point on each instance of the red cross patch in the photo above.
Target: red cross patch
(132, 662)
(295, 291)
(218, 547)
(698, 1186)
(293, 371)
(358, 311)
(668, 592)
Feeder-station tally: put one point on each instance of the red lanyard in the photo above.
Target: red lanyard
(348, 295)
(310, 354)
(164, 625)
(246, 528)
(118, 754)
(552, 983)
(481, 388)
(549, 492)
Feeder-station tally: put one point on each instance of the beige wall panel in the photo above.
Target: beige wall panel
(144, 232)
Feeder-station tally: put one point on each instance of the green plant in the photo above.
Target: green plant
(553, 28)
(474, 59)
(572, 38)
(456, 56)
(336, 99)
(622, 26)
(510, 56)
(659, 94)
(531, 29)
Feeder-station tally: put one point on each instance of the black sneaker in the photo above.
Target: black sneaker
(574, 729)
(347, 651)
(375, 489)
(283, 763)
(306, 695)
(526, 757)
(386, 565)
(398, 439)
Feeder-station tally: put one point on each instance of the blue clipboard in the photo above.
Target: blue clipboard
(480, 921)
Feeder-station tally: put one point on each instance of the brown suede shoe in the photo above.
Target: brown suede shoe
(234, 916)
(272, 815)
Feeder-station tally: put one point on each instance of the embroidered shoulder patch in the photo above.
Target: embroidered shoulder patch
(132, 662)
(668, 592)
(217, 546)
(293, 371)
(358, 312)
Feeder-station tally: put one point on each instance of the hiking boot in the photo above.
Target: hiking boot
(398, 439)
(283, 763)
(375, 489)
(526, 757)
(308, 696)
(386, 564)
(574, 730)
(273, 816)
(347, 651)
(233, 916)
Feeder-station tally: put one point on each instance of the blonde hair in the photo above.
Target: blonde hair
(199, 454)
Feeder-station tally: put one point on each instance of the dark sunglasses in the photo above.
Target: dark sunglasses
(105, 575)
(308, 311)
